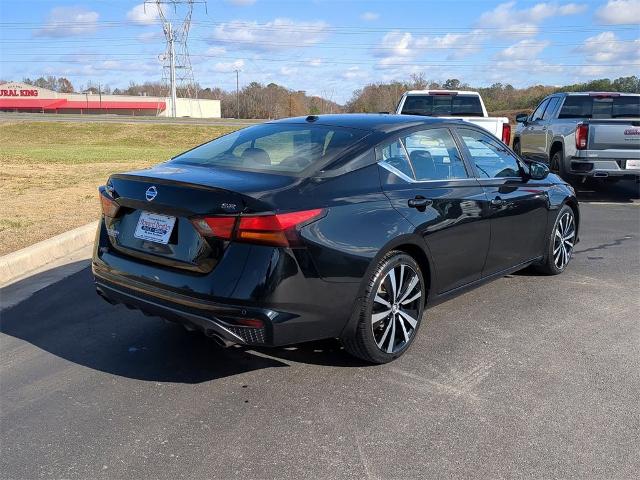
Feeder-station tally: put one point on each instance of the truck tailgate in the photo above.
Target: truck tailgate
(614, 135)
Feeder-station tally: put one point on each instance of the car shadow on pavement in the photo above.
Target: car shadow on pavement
(624, 191)
(69, 320)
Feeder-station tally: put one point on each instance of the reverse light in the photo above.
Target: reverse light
(109, 205)
(582, 134)
(506, 133)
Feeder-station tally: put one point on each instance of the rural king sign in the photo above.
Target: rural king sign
(8, 90)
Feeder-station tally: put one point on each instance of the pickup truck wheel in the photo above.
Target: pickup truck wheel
(390, 313)
(516, 147)
(560, 244)
(558, 167)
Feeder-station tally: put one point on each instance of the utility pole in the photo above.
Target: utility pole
(172, 69)
(237, 93)
(100, 94)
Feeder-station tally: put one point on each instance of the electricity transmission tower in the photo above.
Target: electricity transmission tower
(177, 72)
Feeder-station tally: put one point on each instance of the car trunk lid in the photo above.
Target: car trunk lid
(157, 207)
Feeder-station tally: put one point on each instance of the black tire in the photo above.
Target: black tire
(557, 166)
(380, 338)
(516, 147)
(554, 262)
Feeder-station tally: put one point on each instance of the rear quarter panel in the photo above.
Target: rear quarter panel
(360, 222)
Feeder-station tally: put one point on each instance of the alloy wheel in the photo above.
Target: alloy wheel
(564, 240)
(396, 308)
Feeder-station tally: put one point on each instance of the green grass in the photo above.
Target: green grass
(78, 143)
(49, 172)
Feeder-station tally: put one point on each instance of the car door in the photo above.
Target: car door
(518, 207)
(533, 136)
(426, 179)
(545, 144)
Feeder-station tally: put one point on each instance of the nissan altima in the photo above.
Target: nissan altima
(332, 226)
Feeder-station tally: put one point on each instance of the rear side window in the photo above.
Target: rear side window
(434, 155)
(537, 114)
(394, 155)
(492, 160)
(443, 105)
(587, 106)
(276, 148)
(551, 108)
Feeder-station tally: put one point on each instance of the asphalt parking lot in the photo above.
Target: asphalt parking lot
(529, 376)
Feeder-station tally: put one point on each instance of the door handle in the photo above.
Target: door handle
(419, 202)
(497, 202)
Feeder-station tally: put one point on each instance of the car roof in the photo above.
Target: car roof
(594, 93)
(377, 122)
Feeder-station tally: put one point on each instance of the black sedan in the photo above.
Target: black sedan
(337, 226)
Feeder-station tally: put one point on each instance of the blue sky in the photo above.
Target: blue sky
(327, 47)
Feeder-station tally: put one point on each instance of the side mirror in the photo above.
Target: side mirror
(522, 118)
(538, 171)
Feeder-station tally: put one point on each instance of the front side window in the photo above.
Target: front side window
(434, 155)
(492, 160)
(275, 148)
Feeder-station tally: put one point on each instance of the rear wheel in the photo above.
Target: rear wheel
(516, 147)
(389, 315)
(557, 166)
(561, 243)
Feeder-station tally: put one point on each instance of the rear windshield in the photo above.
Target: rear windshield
(276, 148)
(443, 105)
(585, 106)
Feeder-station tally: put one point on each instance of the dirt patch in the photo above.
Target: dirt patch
(50, 172)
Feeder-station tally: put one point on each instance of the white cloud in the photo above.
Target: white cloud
(144, 14)
(150, 37)
(505, 19)
(524, 67)
(617, 12)
(523, 50)
(278, 34)
(288, 71)
(398, 48)
(68, 21)
(607, 48)
(315, 62)
(370, 16)
(211, 51)
(353, 73)
(226, 67)
(241, 3)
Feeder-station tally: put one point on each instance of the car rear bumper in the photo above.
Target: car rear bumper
(280, 291)
(214, 320)
(602, 168)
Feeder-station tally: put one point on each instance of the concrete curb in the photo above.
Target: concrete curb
(17, 264)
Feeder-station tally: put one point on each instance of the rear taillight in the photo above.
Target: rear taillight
(582, 134)
(279, 230)
(506, 133)
(109, 206)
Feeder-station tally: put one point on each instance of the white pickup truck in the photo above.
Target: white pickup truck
(467, 106)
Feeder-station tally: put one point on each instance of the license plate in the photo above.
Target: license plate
(154, 227)
(633, 164)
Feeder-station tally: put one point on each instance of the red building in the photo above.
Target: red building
(20, 97)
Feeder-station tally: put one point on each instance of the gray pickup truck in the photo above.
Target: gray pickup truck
(583, 135)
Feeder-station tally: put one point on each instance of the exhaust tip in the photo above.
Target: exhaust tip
(218, 339)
